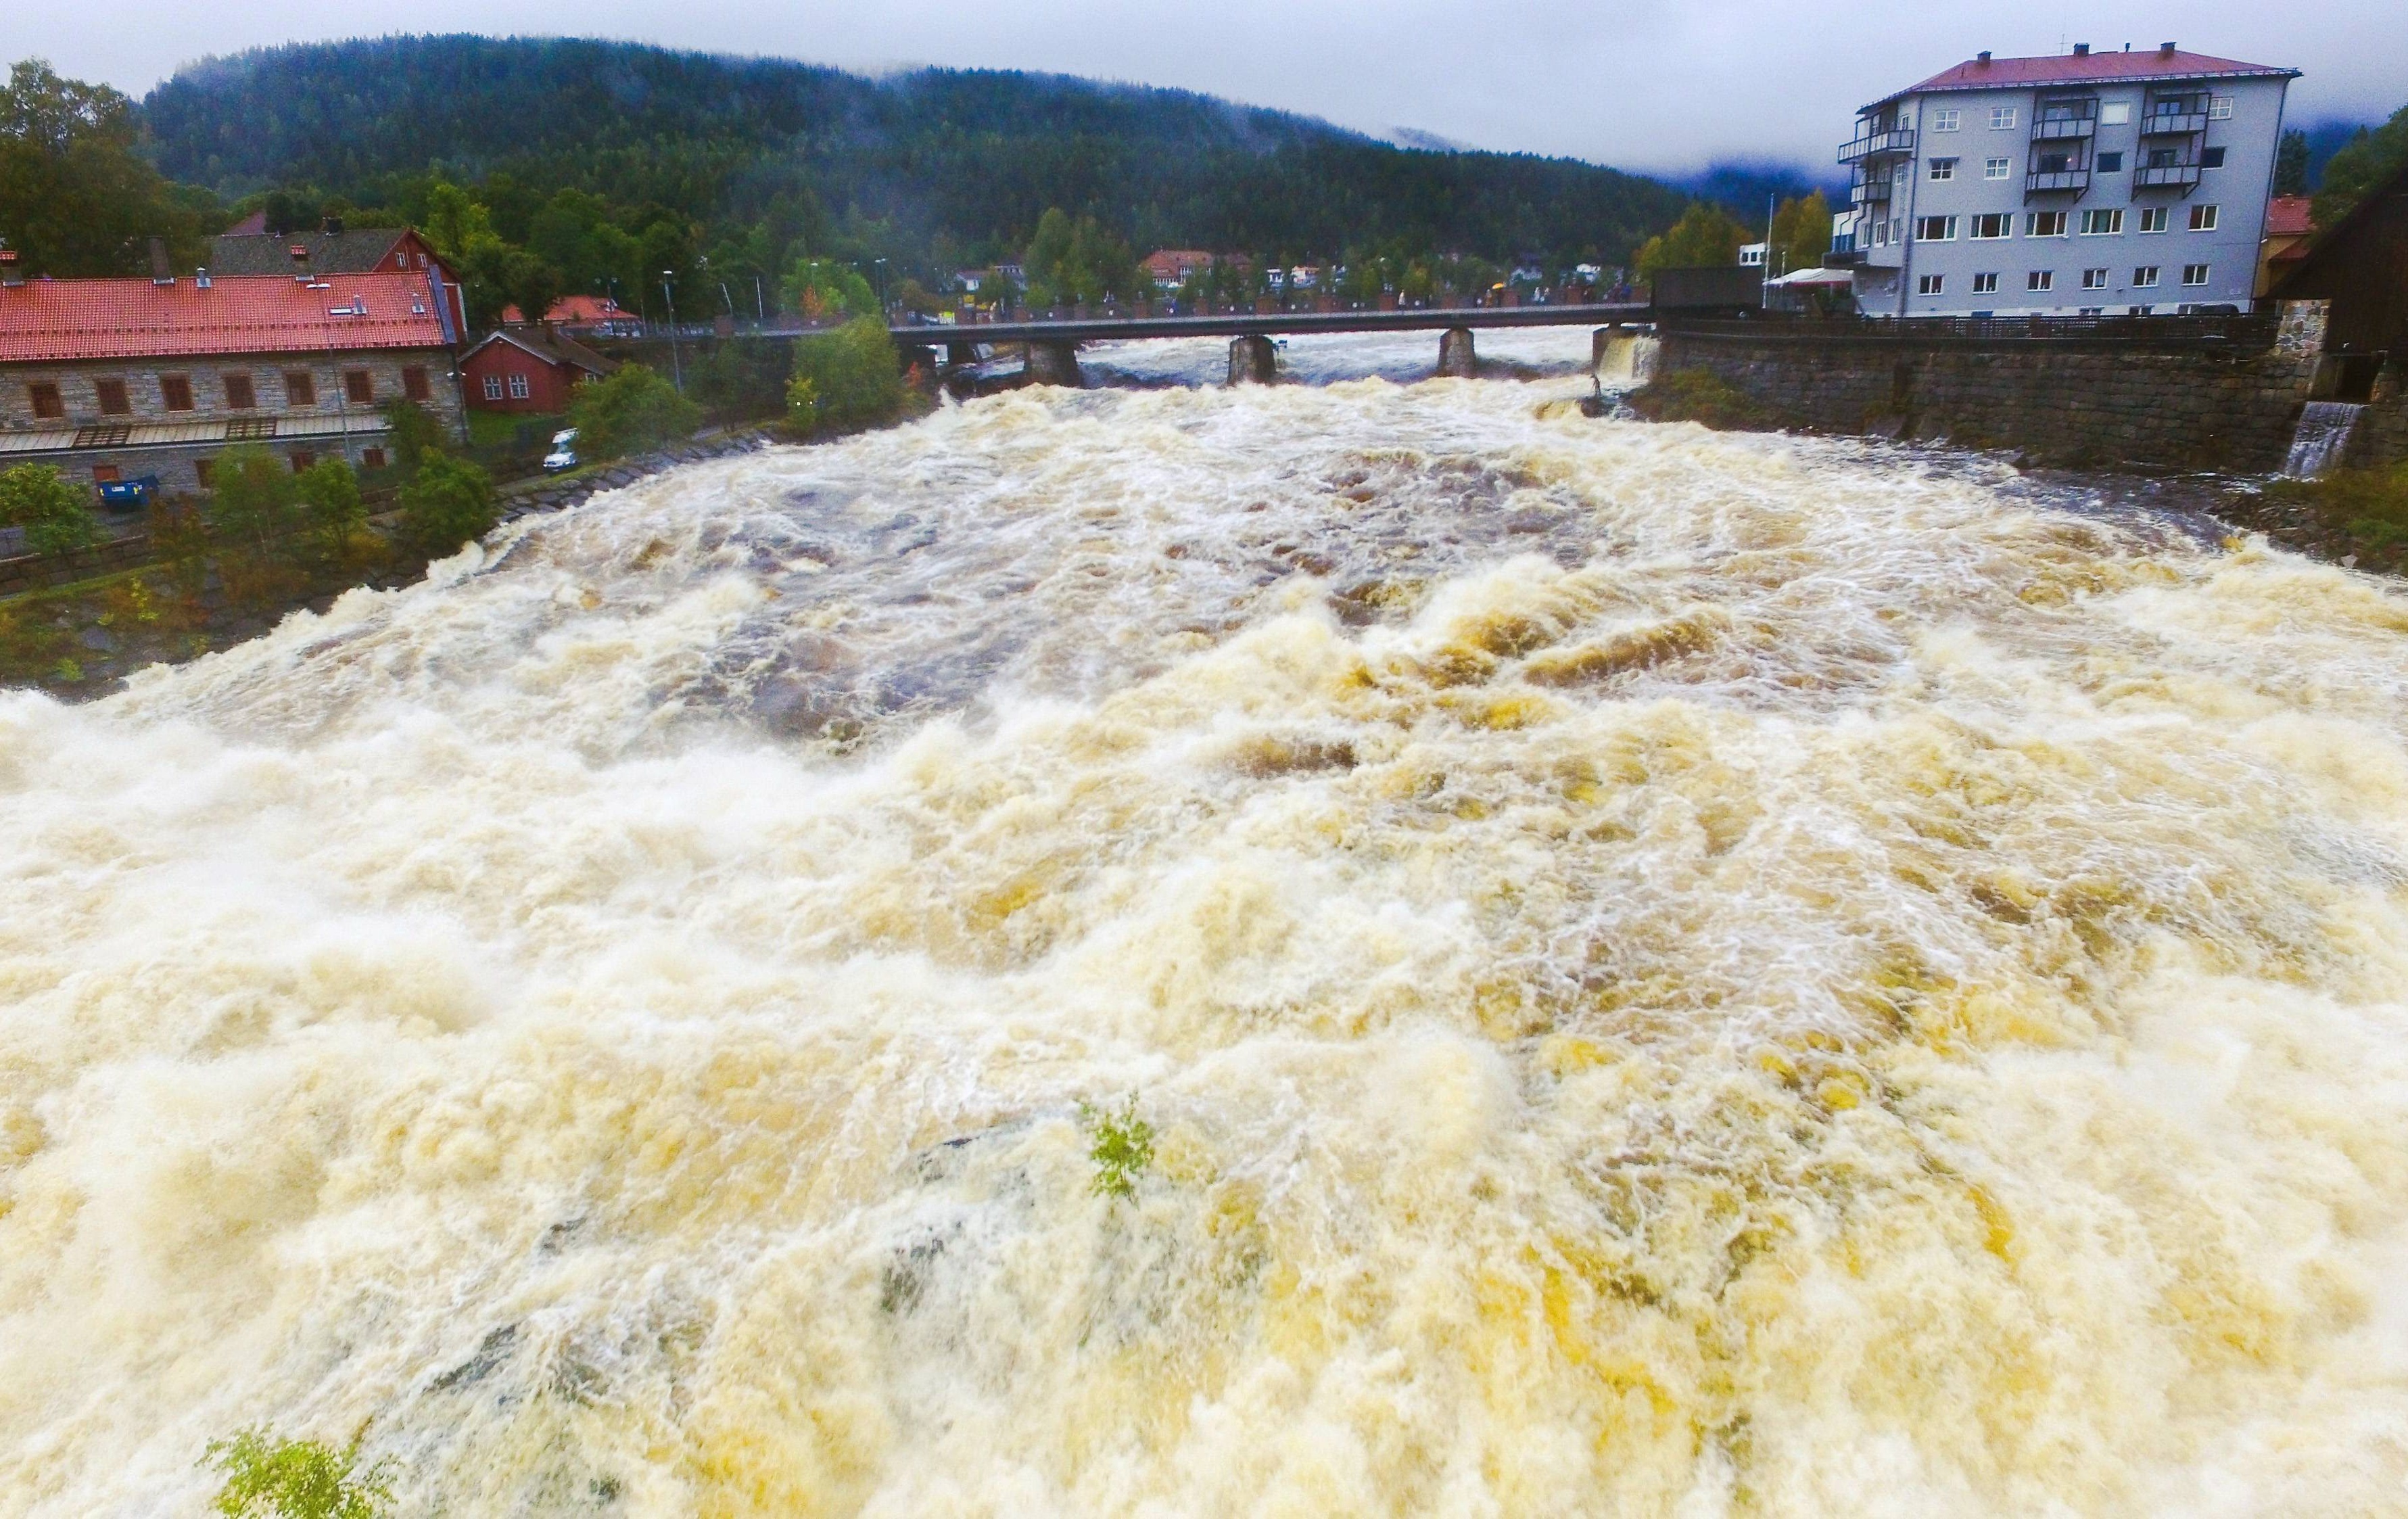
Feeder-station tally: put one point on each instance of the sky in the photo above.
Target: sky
(1665, 87)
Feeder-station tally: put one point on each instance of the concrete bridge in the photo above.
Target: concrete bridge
(1053, 343)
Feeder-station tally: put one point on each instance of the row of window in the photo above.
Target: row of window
(2098, 221)
(2108, 161)
(519, 388)
(111, 398)
(2041, 280)
(2114, 113)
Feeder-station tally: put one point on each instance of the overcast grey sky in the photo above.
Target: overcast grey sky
(1664, 86)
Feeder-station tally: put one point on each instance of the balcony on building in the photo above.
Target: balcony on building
(1879, 140)
(2179, 114)
(2059, 169)
(2165, 176)
(2066, 119)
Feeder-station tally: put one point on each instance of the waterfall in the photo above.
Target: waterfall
(1629, 360)
(2322, 438)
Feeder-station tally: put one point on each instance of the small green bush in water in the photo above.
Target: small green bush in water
(296, 1478)
(850, 377)
(1123, 1147)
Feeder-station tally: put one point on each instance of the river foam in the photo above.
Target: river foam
(1672, 973)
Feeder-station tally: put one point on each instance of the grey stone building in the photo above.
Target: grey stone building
(2119, 183)
(118, 379)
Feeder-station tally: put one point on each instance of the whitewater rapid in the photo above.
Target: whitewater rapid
(1672, 973)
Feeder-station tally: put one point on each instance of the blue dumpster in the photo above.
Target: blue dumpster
(129, 494)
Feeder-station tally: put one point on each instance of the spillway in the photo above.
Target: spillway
(1667, 973)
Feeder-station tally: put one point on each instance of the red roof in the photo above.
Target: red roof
(2091, 68)
(574, 309)
(2287, 216)
(125, 319)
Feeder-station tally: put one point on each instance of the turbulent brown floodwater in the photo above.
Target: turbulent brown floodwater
(1673, 973)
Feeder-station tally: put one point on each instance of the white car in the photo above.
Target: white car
(564, 452)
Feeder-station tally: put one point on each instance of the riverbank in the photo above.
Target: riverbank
(78, 640)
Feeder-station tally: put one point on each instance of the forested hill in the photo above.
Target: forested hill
(966, 161)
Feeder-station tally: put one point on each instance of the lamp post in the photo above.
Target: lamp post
(676, 365)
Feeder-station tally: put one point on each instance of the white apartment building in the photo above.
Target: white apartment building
(2116, 183)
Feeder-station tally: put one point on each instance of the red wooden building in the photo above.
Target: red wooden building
(527, 369)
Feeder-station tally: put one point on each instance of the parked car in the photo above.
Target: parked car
(564, 452)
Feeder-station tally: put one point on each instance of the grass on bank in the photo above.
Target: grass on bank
(1697, 395)
(2361, 511)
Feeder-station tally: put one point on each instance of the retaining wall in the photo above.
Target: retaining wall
(2171, 403)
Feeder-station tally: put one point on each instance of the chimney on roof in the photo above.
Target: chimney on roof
(2165, 49)
(2082, 49)
(159, 273)
(9, 272)
(331, 225)
(1985, 58)
(298, 253)
(201, 277)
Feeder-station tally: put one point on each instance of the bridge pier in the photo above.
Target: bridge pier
(1457, 358)
(1254, 360)
(1055, 364)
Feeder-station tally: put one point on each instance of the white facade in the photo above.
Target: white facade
(2095, 184)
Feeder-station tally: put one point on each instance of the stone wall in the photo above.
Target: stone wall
(2381, 435)
(2163, 406)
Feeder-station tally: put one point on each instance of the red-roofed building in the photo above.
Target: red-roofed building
(2289, 225)
(117, 379)
(589, 315)
(2085, 185)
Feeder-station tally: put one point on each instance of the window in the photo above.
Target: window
(302, 459)
(2101, 222)
(44, 399)
(2115, 113)
(2044, 225)
(1993, 225)
(1985, 285)
(493, 387)
(2202, 219)
(371, 458)
(2152, 219)
(2056, 161)
(176, 392)
(106, 474)
(2146, 276)
(2139, 310)
(299, 388)
(2040, 279)
(1946, 121)
(357, 388)
(1997, 169)
(2094, 279)
(2164, 158)
(1935, 229)
(519, 388)
(238, 394)
(2093, 311)
(1944, 168)
(111, 393)
(413, 383)
(2194, 274)
(2219, 108)
(2001, 117)
(2111, 162)
(1931, 284)
(204, 471)
(2211, 158)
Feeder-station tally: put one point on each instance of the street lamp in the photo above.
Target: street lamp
(676, 365)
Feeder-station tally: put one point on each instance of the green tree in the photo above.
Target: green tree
(2366, 160)
(2291, 164)
(822, 290)
(413, 433)
(1068, 261)
(850, 377)
(1706, 234)
(448, 503)
(37, 498)
(77, 196)
(631, 410)
(296, 1478)
(531, 285)
(1801, 234)
(331, 505)
(255, 501)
